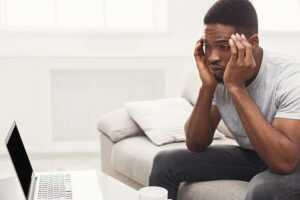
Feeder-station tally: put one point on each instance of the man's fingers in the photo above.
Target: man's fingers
(199, 45)
(198, 53)
(240, 47)
(233, 50)
(248, 46)
(201, 40)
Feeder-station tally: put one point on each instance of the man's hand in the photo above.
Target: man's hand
(241, 66)
(207, 77)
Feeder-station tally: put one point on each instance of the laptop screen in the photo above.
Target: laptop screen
(20, 159)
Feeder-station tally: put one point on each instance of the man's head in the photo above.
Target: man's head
(224, 18)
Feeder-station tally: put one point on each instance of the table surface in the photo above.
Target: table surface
(110, 188)
(113, 189)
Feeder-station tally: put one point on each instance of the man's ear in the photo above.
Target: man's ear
(254, 41)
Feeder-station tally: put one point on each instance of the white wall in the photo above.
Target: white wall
(27, 58)
(185, 23)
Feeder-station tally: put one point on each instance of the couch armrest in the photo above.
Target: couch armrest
(106, 149)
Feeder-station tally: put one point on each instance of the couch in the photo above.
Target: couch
(130, 159)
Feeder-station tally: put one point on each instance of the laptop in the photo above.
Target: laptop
(69, 185)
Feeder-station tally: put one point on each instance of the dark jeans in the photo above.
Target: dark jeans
(220, 162)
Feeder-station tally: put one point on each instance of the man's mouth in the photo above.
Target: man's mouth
(218, 70)
(217, 67)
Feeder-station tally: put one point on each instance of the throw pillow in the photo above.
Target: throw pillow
(161, 120)
(223, 129)
(118, 125)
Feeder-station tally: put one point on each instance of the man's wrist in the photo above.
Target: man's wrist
(233, 90)
(208, 88)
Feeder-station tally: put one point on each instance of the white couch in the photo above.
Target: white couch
(130, 159)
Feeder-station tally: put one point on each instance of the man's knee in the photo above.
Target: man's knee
(258, 191)
(263, 187)
(268, 185)
(163, 163)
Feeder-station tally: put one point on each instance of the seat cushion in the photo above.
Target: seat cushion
(133, 157)
(216, 190)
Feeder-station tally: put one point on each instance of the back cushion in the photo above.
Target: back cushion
(191, 85)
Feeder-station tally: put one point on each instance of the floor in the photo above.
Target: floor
(54, 162)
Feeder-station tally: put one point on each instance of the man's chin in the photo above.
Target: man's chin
(219, 80)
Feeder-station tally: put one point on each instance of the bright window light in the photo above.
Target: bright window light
(30, 13)
(129, 13)
(81, 14)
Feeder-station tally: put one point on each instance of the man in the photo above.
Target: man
(257, 94)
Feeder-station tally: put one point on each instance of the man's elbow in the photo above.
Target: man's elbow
(196, 146)
(283, 168)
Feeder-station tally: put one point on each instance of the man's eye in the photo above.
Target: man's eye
(225, 47)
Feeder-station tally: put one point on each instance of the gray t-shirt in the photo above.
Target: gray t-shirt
(275, 90)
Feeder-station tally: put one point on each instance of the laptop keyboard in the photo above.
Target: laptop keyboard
(55, 186)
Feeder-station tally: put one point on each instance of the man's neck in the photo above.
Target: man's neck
(258, 56)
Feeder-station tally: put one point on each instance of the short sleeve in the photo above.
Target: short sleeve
(214, 101)
(288, 97)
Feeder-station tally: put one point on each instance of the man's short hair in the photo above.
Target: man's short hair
(238, 13)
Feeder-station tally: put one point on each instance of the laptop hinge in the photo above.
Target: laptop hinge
(32, 187)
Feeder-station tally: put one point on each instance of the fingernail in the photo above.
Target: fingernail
(233, 36)
(243, 36)
(238, 36)
(230, 41)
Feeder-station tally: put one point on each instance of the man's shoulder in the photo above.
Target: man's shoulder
(281, 58)
(281, 65)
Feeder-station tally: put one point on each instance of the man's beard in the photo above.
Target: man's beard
(219, 80)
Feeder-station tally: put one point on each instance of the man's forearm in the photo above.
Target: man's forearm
(272, 146)
(198, 128)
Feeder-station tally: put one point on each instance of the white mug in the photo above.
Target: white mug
(153, 193)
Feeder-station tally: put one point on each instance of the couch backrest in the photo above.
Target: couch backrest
(191, 85)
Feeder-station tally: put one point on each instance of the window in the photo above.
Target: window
(88, 14)
(278, 15)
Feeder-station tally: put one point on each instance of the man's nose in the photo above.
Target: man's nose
(214, 56)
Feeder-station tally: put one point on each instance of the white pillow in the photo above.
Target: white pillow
(223, 129)
(161, 120)
(118, 125)
(218, 135)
